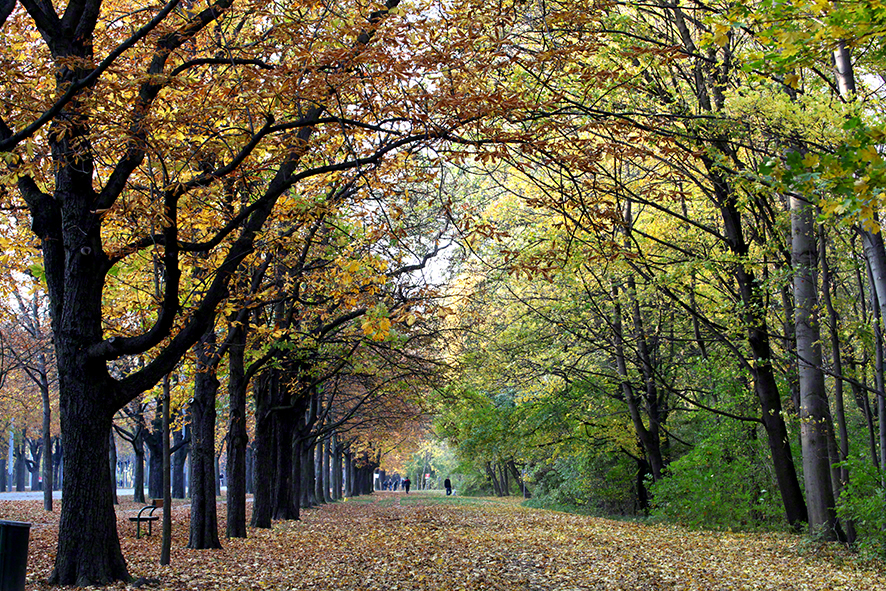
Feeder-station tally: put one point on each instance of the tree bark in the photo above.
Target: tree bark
(875, 253)
(325, 467)
(166, 542)
(20, 467)
(250, 468)
(814, 413)
(237, 436)
(58, 464)
(307, 473)
(336, 469)
(47, 434)
(204, 518)
(154, 443)
(265, 451)
(112, 461)
(88, 546)
(349, 471)
(180, 459)
(319, 497)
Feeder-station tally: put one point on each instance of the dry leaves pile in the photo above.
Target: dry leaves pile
(394, 542)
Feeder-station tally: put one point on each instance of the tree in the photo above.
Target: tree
(130, 129)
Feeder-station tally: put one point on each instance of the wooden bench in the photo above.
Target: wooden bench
(149, 518)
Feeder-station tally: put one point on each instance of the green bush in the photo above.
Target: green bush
(863, 501)
(588, 483)
(723, 482)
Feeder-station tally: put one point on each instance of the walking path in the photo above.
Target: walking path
(56, 494)
(419, 542)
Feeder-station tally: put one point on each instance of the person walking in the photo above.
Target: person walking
(406, 483)
(447, 484)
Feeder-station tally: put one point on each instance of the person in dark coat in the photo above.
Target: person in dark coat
(406, 483)
(448, 486)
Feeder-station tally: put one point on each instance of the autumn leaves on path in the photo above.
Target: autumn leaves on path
(390, 541)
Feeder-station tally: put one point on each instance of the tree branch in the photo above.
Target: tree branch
(6, 144)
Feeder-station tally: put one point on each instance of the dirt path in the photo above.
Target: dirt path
(393, 542)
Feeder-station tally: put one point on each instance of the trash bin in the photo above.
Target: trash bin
(13, 554)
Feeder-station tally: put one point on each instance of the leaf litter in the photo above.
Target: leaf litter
(393, 542)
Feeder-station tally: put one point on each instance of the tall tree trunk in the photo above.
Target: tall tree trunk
(650, 396)
(166, 542)
(285, 429)
(58, 460)
(20, 466)
(180, 459)
(790, 338)
(306, 483)
(88, 547)
(336, 469)
(648, 441)
(765, 385)
(828, 283)
(47, 434)
(250, 468)
(814, 413)
(138, 469)
(154, 443)
(490, 475)
(349, 474)
(204, 519)
(327, 498)
(319, 497)
(265, 451)
(237, 436)
(875, 253)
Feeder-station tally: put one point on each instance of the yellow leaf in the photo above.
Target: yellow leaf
(721, 34)
(811, 160)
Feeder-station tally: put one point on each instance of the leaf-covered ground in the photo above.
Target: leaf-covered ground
(391, 541)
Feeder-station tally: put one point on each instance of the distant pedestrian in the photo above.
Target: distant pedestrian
(406, 484)
(448, 486)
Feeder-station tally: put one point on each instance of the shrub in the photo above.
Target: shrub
(863, 501)
(723, 482)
